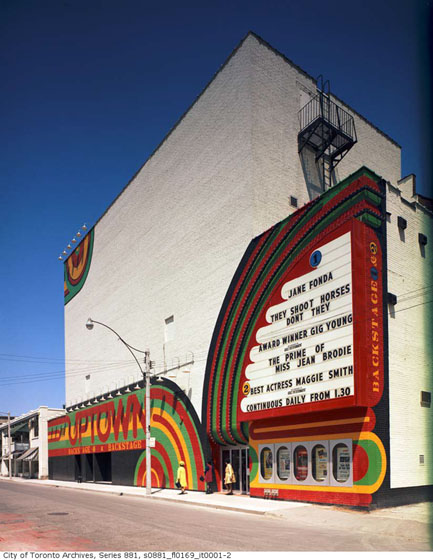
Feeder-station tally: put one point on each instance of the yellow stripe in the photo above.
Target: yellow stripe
(171, 421)
(143, 480)
(356, 436)
(74, 273)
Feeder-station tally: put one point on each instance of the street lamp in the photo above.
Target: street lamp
(146, 375)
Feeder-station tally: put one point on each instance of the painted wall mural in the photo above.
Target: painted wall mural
(253, 360)
(119, 425)
(296, 368)
(355, 425)
(77, 265)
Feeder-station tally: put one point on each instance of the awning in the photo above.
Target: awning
(30, 455)
(14, 455)
(20, 427)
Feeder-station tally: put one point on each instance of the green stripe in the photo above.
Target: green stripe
(254, 463)
(319, 227)
(73, 290)
(187, 440)
(158, 456)
(374, 463)
(230, 400)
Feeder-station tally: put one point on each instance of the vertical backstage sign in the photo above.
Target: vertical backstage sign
(303, 352)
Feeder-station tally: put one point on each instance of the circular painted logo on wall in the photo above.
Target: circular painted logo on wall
(315, 259)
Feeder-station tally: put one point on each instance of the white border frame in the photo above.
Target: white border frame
(329, 445)
(332, 444)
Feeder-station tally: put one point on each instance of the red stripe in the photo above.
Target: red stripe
(342, 498)
(327, 208)
(106, 447)
(168, 396)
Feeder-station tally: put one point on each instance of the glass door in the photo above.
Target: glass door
(238, 457)
(236, 464)
(245, 471)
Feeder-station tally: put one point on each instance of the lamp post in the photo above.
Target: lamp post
(146, 375)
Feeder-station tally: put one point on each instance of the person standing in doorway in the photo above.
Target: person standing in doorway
(229, 477)
(181, 477)
(208, 476)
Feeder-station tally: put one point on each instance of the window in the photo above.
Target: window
(422, 239)
(293, 201)
(300, 463)
(36, 427)
(319, 463)
(401, 222)
(426, 399)
(341, 462)
(266, 466)
(283, 463)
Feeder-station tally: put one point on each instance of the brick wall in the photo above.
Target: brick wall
(410, 273)
(171, 241)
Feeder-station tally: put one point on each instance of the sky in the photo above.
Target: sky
(90, 88)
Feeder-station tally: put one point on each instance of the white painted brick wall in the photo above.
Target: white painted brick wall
(410, 278)
(171, 242)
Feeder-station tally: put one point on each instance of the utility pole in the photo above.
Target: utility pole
(148, 450)
(146, 375)
(10, 445)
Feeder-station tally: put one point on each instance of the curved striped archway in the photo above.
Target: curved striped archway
(179, 437)
(77, 266)
(266, 261)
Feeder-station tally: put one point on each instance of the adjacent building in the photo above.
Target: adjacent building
(25, 453)
(274, 263)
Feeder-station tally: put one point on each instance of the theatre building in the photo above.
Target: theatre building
(277, 268)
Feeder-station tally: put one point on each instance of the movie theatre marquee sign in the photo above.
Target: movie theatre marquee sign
(304, 354)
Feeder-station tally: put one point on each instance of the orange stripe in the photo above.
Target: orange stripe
(313, 425)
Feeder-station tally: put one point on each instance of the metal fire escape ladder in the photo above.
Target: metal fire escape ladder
(326, 128)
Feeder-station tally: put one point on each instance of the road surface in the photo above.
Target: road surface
(46, 518)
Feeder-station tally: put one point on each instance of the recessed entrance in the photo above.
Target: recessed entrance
(239, 459)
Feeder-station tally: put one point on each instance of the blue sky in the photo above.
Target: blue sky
(90, 88)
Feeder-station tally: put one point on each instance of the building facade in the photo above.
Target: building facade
(25, 454)
(180, 264)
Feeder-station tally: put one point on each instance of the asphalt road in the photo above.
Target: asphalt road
(44, 518)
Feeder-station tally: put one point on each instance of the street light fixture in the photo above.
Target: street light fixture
(146, 375)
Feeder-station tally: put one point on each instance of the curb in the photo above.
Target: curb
(125, 492)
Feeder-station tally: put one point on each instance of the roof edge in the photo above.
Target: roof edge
(262, 41)
(284, 57)
(173, 128)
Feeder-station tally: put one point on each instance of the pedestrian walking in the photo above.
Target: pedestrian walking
(181, 477)
(208, 476)
(229, 477)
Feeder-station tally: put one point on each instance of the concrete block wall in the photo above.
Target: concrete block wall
(410, 274)
(171, 242)
(374, 149)
(45, 414)
(42, 415)
(279, 90)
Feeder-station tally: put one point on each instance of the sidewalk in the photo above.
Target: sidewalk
(413, 521)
